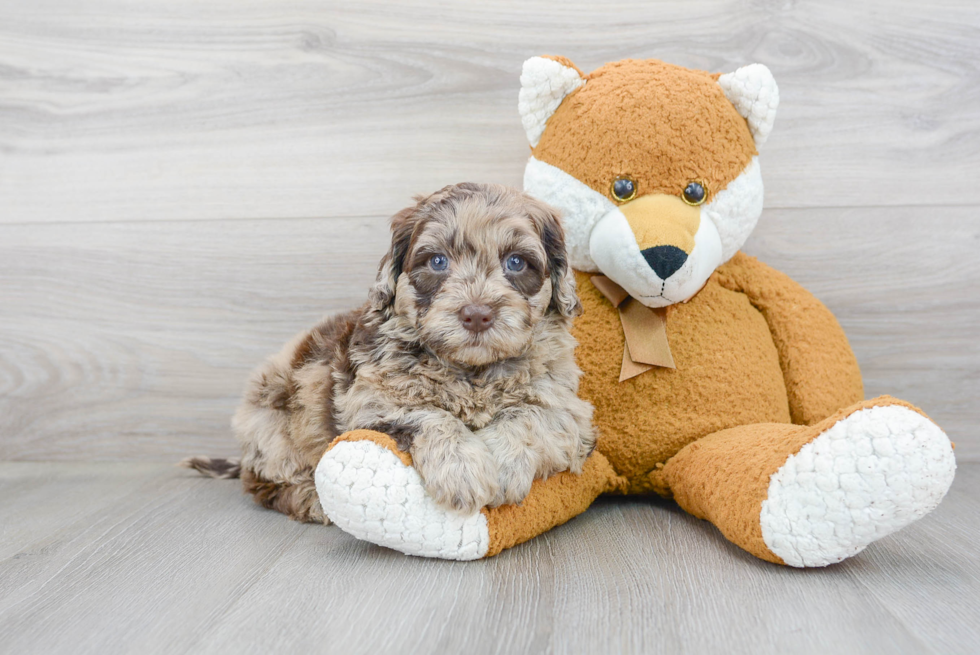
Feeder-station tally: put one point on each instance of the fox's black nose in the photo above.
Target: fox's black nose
(664, 260)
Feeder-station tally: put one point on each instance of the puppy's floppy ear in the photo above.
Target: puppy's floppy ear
(402, 227)
(564, 300)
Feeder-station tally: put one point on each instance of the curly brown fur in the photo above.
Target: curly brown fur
(483, 413)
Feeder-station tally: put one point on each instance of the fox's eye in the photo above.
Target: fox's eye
(515, 263)
(438, 262)
(623, 188)
(695, 193)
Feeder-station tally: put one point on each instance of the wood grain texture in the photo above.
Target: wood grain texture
(177, 563)
(131, 340)
(268, 109)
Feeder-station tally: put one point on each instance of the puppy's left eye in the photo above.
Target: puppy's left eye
(438, 262)
(515, 263)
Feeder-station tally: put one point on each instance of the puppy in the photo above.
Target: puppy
(462, 355)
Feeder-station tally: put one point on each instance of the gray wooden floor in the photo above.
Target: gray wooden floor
(184, 184)
(144, 558)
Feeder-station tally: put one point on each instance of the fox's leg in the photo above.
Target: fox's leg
(369, 489)
(815, 495)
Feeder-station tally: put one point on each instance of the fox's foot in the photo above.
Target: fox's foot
(871, 474)
(371, 491)
(814, 495)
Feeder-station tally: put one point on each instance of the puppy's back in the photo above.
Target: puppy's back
(286, 419)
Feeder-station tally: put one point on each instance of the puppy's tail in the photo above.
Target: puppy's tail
(223, 469)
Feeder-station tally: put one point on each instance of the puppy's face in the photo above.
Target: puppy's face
(473, 269)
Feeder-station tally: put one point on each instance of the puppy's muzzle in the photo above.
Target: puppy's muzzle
(476, 318)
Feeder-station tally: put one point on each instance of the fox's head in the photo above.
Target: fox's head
(654, 166)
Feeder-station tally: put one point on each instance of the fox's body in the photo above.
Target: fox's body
(675, 407)
(664, 127)
(762, 370)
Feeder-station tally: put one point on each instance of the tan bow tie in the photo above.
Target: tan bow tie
(645, 330)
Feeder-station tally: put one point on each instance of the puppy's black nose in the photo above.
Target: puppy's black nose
(476, 318)
(664, 260)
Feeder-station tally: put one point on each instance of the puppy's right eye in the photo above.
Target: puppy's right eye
(438, 262)
(515, 264)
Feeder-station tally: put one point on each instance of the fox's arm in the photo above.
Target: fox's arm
(819, 368)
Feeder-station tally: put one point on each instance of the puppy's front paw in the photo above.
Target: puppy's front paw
(515, 481)
(464, 480)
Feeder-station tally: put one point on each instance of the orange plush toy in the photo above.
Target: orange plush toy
(716, 380)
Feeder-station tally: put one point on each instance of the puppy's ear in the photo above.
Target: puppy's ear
(403, 223)
(564, 300)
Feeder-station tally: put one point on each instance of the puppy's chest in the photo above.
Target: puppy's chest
(474, 400)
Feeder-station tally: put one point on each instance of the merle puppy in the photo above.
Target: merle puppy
(463, 355)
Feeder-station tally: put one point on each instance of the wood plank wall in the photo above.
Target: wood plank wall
(184, 185)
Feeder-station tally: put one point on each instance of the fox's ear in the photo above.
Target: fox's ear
(545, 81)
(755, 95)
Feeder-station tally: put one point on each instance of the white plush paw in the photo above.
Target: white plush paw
(869, 475)
(369, 493)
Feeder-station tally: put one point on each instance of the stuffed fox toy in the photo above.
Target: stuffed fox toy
(716, 380)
